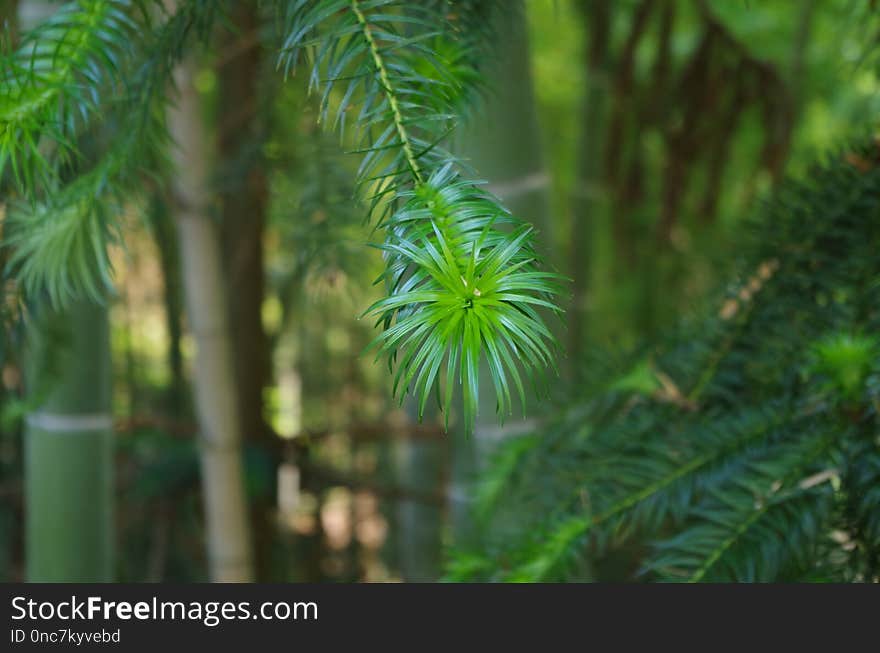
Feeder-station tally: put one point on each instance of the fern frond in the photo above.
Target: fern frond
(766, 522)
(60, 248)
(462, 276)
(50, 84)
(115, 129)
(638, 488)
(59, 244)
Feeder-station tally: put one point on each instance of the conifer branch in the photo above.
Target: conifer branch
(462, 277)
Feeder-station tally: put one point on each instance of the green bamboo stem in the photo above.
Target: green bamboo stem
(69, 448)
(502, 143)
(502, 140)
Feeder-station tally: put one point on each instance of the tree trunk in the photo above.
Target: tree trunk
(503, 139)
(419, 526)
(243, 199)
(225, 504)
(9, 21)
(243, 213)
(169, 258)
(589, 196)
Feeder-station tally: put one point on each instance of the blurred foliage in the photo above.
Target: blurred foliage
(814, 60)
(741, 447)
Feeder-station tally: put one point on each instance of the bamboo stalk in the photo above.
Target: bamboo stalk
(503, 144)
(228, 536)
(69, 448)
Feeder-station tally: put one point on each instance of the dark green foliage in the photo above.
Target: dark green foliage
(743, 447)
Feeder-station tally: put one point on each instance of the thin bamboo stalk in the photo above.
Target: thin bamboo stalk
(228, 535)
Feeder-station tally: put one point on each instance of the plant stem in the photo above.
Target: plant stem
(69, 448)
(228, 532)
(389, 92)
